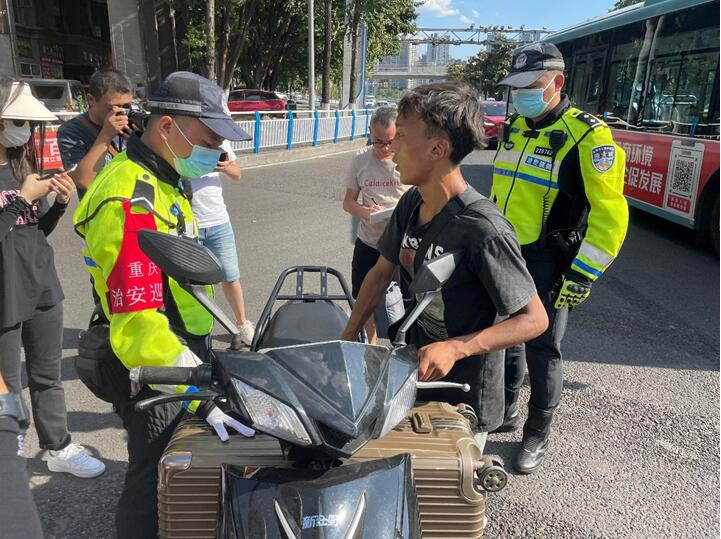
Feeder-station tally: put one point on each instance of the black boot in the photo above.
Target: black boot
(512, 416)
(536, 439)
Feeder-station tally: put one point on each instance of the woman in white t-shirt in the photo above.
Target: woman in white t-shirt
(216, 233)
(373, 176)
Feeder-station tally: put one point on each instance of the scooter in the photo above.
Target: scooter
(323, 399)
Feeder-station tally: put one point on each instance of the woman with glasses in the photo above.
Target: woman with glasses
(372, 176)
(31, 312)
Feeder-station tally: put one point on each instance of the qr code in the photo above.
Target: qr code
(682, 179)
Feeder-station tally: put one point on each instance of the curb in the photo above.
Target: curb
(296, 154)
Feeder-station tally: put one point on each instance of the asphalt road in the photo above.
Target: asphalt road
(635, 450)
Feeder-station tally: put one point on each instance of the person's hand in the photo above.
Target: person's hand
(346, 336)
(63, 185)
(229, 168)
(34, 188)
(217, 419)
(115, 123)
(371, 209)
(575, 289)
(437, 359)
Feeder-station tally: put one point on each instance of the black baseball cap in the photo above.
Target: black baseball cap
(187, 94)
(532, 61)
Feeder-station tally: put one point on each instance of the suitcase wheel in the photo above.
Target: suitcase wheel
(492, 478)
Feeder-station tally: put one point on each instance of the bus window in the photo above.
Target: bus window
(595, 80)
(682, 67)
(629, 56)
(579, 82)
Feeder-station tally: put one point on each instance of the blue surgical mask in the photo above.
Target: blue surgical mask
(529, 102)
(201, 160)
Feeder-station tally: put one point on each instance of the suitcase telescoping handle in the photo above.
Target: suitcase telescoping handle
(443, 385)
(200, 376)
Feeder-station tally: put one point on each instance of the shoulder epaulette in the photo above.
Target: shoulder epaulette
(589, 119)
(143, 195)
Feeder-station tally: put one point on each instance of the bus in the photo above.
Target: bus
(651, 71)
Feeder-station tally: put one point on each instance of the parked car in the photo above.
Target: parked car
(382, 103)
(246, 100)
(62, 97)
(494, 114)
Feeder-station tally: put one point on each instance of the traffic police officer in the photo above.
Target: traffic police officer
(152, 320)
(558, 178)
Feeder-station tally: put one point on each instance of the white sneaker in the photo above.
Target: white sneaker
(74, 460)
(247, 331)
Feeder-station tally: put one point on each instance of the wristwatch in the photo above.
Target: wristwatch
(13, 405)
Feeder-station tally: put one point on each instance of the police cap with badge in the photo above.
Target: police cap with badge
(532, 61)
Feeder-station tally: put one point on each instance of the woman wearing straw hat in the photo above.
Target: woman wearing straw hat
(31, 312)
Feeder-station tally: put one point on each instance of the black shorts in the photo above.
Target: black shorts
(364, 258)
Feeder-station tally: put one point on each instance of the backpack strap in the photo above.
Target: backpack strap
(95, 131)
(453, 208)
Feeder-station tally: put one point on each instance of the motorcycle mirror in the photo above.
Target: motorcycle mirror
(181, 258)
(433, 274)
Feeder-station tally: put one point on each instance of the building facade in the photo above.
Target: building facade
(71, 39)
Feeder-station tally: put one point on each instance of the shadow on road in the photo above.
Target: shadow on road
(70, 338)
(69, 506)
(92, 421)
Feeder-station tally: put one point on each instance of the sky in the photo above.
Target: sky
(533, 14)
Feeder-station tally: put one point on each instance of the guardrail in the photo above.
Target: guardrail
(292, 128)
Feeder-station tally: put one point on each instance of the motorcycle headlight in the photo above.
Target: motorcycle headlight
(272, 416)
(401, 403)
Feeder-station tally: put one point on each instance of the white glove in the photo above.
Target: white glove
(218, 420)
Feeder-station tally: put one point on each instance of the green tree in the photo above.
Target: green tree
(486, 68)
(263, 43)
(624, 3)
(386, 19)
(456, 70)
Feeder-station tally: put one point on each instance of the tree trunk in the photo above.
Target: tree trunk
(223, 46)
(239, 41)
(354, 26)
(210, 34)
(325, 91)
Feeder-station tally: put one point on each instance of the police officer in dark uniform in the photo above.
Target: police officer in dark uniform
(558, 178)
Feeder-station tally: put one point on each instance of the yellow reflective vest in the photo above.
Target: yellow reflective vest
(141, 336)
(566, 177)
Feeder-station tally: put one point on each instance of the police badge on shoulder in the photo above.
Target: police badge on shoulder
(603, 157)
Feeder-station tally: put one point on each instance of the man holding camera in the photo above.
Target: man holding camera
(91, 140)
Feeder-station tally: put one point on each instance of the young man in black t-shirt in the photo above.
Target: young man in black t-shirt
(457, 336)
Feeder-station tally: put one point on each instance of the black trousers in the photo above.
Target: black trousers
(42, 338)
(542, 355)
(148, 434)
(18, 513)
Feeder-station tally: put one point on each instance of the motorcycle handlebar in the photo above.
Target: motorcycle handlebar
(200, 376)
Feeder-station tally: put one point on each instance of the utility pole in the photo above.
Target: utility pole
(311, 58)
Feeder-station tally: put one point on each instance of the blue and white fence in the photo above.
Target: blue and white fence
(288, 129)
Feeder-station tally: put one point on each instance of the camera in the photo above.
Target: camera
(137, 117)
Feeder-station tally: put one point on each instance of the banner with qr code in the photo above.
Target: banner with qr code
(666, 171)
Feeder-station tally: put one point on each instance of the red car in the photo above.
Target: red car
(251, 100)
(494, 115)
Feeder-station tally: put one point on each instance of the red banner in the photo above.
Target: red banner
(665, 171)
(50, 150)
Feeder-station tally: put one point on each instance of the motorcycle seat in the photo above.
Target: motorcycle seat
(302, 322)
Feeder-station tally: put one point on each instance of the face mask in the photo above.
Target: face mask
(200, 161)
(13, 136)
(529, 101)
